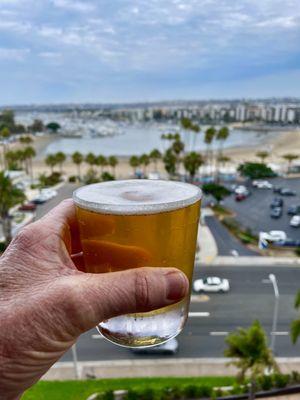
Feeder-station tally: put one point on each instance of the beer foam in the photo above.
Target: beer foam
(136, 196)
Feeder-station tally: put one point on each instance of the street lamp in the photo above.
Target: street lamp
(273, 280)
(75, 361)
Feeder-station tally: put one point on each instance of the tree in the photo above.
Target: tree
(188, 126)
(113, 162)
(145, 161)
(13, 158)
(255, 170)
(7, 120)
(4, 135)
(60, 158)
(91, 159)
(249, 349)
(222, 136)
(215, 190)
(77, 159)
(295, 326)
(290, 157)
(53, 127)
(102, 162)
(134, 162)
(37, 126)
(10, 196)
(170, 161)
(177, 148)
(29, 153)
(51, 161)
(208, 139)
(262, 155)
(192, 161)
(25, 140)
(155, 155)
(223, 159)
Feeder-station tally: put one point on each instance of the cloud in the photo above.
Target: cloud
(15, 26)
(74, 5)
(13, 54)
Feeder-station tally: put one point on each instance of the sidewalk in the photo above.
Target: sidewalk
(256, 261)
(155, 367)
(206, 242)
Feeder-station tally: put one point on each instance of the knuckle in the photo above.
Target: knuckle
(25, 237)
(142, 288)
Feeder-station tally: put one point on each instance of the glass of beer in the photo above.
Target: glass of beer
(140, 223)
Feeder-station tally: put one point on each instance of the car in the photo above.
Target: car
(169, 347)
(48, 193)
(276, 212)
(276, 202)
(211, 284)
(276, 189)
(287, 192)
(293, 210)
(295, 221)
(240, 197)
(262, 184)
(30, 206)
(276, 236)
(40, 200)
(241, 189)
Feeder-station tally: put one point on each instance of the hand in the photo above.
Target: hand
(46, 302)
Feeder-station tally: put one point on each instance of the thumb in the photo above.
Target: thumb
(97, 297)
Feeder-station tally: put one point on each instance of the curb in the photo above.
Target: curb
(249, 261)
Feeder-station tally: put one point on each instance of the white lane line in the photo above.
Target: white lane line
(97, 337)
(199, 314)
(280, 333)
(218, 333)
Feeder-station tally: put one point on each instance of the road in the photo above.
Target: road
(254, 212)
(227, 244)
(249, 299)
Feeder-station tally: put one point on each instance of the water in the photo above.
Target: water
(143, 138)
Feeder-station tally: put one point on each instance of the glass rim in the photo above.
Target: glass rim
(138, 208)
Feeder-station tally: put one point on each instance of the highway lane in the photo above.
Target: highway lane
(249, 299)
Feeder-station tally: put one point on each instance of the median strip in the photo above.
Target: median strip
(218, 333)
(198, 314)
(97, 336)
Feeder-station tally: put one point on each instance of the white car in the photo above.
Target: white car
(241, 189)
(295, 221)
(211, 284)
(48, 194)
(262, 184)
(276, 236)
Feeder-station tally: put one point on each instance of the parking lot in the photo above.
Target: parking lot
(254, 211)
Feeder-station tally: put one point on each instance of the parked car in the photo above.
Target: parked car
(293, 210)
(295, 221)
(39, 200)
(276, 202)
(48, 193)
(28, 207)
(276, 189)
(262, 184)
(211, 284)
(275, 236)
(276, 212)
(170, 347)
(241, 189)
(287, 192)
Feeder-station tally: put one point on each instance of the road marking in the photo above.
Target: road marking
(199, 314)
(202, 298)
(97, 337)
(280, 333)
(218, 333)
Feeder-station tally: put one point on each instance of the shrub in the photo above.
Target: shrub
(108, 395)
(132, 395)
(280, 380)
(295, 377)
(2, 247)
(190, 391)
(256, 170)
(204, 391)
(171, 393)
(297, 251)
(238, 389)
(265, 382)
(73, 179)
(50, 180)
(90, 177)
(106, 176)
(148, 394)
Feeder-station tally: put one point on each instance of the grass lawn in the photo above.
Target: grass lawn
(80, 390)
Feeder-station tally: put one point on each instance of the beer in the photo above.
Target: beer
(137, 223)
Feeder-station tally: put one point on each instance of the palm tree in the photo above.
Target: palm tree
(223, 159)
(51, 161)
(60, 158)
(295, 326)
(290, 157)
(262, 155)
(91, 159)
(25, 140)
(208, 139)
(29, 153)
(12, 159)
(192, 161)
(9, 197)
(155, 155)
(188, 126)
(4, 135)
(177, 148)
(113, 162)
(222, 136)
(102, 162)
(145, 161)
(134, 162)
(170, 161)
(77, 159)
(249, 349)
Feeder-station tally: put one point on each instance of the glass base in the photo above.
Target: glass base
(145, 329)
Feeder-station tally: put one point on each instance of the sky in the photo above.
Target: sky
(57, 51)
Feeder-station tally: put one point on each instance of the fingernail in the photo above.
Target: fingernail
(177, 285)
